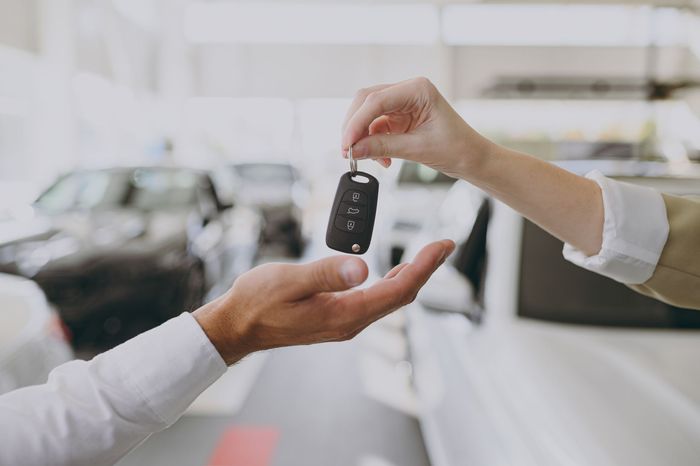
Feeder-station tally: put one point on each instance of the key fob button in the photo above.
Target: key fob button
(354, 211)
(353, 196)
(349, 225)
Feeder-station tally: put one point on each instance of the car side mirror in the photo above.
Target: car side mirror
(449, 291)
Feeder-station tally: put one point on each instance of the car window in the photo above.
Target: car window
(162, 189)
(266, 173)
(145, 189)
(84, 190)
(414, 173)
(553, 289)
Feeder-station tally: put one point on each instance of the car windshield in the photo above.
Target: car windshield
(414, 173)
(553, 289)
(266, 172)
(144, 189)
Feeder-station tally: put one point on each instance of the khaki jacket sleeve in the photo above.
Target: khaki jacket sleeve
(676, 279)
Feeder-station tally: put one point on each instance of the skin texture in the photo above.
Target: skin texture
(412, 120)
(276, 305)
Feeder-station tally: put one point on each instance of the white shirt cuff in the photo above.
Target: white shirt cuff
(634, 232)
(168, 366)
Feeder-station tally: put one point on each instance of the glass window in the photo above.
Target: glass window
(144, 189)
(266, 172)
(553, 289)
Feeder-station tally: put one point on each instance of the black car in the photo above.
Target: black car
(121, 250)
(277, 191)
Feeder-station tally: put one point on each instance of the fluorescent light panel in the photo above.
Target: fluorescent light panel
(311, 23)
(562, 25)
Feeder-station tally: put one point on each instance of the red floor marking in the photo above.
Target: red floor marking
(245, 446)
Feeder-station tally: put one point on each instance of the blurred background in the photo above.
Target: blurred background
(153, 150)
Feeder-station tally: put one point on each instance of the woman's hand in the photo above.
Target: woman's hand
(277, 305)
(412, 120)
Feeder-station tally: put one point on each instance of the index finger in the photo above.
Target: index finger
(377, 103)
(389, 294)
(359, 99)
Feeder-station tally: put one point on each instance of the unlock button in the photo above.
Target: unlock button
(352, 211)
(350, 225)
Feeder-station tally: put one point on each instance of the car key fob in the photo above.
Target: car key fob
(352, 217)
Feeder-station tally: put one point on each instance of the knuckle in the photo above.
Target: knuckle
(382, 148)
(321, 278)
(375, 99)
(371, 97)
(362, 93)
(425, 84)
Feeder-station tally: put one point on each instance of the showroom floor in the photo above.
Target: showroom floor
(333, 404)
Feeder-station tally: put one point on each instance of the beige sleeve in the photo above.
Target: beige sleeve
(676, 279)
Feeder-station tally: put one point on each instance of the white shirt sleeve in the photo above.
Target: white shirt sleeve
(93, 413)
(634, 232)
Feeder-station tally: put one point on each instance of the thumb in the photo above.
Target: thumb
(379, 146)
(330, 274)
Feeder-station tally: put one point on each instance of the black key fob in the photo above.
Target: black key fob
(352, 217)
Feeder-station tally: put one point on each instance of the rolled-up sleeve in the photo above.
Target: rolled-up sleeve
(94, 412)
(635, 231)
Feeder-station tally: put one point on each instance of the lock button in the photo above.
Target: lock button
(354, 211)
(355, 197)
(349, 225)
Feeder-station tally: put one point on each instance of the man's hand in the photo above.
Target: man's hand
(277, 305)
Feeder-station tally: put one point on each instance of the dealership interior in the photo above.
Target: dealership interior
(153, 151)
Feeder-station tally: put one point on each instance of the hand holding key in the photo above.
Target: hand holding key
(412, 120)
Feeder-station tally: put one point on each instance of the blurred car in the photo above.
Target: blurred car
(522, 358)
(279, 193)
(121, 250)
(33, 339)
(413, 195)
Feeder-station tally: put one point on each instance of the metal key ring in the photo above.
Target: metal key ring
(353, 163)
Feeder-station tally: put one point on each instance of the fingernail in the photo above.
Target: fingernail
(446, 253)
(351, 272)
(359, 151)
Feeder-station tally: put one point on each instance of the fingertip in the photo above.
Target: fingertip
(354, 271)
(360, 150)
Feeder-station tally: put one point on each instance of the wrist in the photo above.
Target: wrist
(477, 155)
(216, 319)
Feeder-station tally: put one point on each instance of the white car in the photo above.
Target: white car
(33, 339)
(522, 358)
(410, 198)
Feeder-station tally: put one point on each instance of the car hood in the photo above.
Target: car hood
(411, 204)
(76, 239)
(558, 394)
